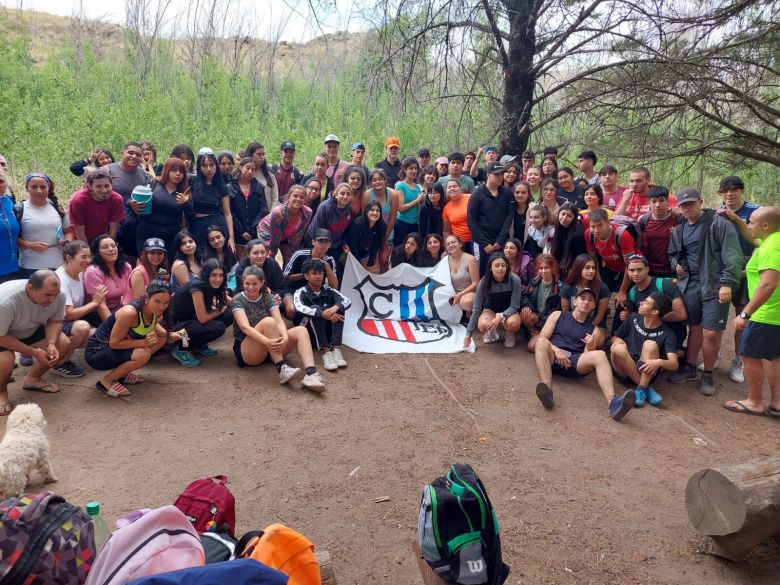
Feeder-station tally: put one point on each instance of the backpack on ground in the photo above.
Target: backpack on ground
(44, 540)
(238, 572)
(457, 530)
(285, 550)
(209, 505)
(218, 546)
(153, 542)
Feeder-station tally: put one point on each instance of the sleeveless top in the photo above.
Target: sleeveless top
(461, 279)
(569, 333)
(410, 215)
(385, 209)
(102, 335)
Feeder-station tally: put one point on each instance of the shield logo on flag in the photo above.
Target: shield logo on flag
(402, 313)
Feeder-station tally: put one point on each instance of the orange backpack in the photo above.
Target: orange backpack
(283, 549)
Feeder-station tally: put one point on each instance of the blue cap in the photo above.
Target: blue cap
(358, 146)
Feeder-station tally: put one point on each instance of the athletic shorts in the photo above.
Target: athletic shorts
(692, 299)
(37, 336)
(760, 341)
(568, 372)
(240, 358)
(715, 315)
(739, 296)
(106, 358)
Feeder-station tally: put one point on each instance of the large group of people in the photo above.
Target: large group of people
(153, 256)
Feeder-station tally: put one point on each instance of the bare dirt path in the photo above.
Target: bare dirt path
(580, 498)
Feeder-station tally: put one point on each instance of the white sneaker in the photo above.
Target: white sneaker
(340, 361)
(509, 339)
(737, 371)
(313, 382)
(329, 361)
(287, 373)
(717, 363)
(490, 337)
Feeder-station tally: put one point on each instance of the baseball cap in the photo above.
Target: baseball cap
(727, 183)
(494, 168)
(687, 195)
(507, 158)
(205, 150)
(323, 234)
(528, 155)
(332, 138)
(392, 141)
(423, 152)
(154, 244)
(586, 290)
(442, 160)
(638, 258)
(358, 146)
(287, 145)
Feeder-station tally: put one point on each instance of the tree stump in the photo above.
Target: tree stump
(737, 506)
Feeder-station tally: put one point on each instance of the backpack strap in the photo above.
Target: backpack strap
(632, 294)
(19, 214)
(243, 543)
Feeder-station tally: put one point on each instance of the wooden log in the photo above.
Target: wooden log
(428, 576)
(737, 506)
(326, 567)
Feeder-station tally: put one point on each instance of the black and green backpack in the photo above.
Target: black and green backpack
(457, 530)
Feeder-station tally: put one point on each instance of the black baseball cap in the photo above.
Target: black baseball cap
(727, 183)
(154, 244)
(586, 290)
(528, 155)
(423, 152)
(323, 234)
(287, 145)
(494, 168)
(687, 195)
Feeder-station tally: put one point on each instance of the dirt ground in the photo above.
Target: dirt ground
(580, 498)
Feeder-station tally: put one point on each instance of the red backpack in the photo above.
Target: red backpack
(209, 505)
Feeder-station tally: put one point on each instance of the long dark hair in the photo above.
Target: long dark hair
(263, 168)
(98, 261)
(487, 280)
(218, 181)
(209, 252)
(575, 272)
(177, 243)
(442, 196)
(563, 237)
(150, 270)
(211, 294)
(426, 255)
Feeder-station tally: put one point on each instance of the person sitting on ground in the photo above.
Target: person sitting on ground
(464, 274)
(31, 318)
(760, 319)
(186, 266)
(567, 347)
(202, 310)
(407, 252)
(497, 303)
(127, 340)
(96, 208)
(639, 343)
(541, 298)
(152, 265)
(321, 309)
(432, 251)
(261, 335)
(293, 272)
(109, 269)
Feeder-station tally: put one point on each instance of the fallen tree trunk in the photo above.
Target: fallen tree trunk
(737, 506)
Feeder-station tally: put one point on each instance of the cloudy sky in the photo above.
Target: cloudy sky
(270, 15)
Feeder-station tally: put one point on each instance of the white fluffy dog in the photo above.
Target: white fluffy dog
(24, 449)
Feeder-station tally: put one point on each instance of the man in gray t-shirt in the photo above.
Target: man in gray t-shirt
(31, 320)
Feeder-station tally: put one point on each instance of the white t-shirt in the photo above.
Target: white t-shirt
(42, 224)
(73, 289)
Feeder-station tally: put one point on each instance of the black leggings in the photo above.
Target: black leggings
(201, 334)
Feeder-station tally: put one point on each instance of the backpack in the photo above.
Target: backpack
(19, 210)
(209, 505)
(621, 223)
(153, 542)
(239, 572)
(283, 549)
(457, 530)
(44, 540)
(218, 546)
(645, 220)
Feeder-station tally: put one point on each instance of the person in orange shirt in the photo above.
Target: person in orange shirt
(454, 215)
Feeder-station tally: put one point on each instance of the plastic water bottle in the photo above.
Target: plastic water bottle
(100, 526)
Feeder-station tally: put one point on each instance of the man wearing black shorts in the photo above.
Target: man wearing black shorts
(639, 343)
(566, 347)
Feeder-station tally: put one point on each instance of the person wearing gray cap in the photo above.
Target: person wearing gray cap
(566, 347)
(704, 252)
(739, 211)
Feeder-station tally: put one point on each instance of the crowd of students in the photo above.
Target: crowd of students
(154, 254)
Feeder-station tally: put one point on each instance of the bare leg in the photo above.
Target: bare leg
(513, 324)
(299, 339)
(773, 377)
(544, 359)
(7, 359)
(467, 303)
(695, 341)
(649, 352)
(33, 377)
(624, 364)
(597, 360)
(79, 335)
(711, 346)
(139, 358)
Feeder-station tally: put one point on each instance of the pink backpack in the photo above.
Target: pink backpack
(148, 543)
(209, 505)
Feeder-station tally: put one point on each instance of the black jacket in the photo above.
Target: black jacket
(273, 276)
(247, 212)
(489, 217)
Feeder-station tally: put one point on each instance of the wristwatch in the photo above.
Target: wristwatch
(744, 315)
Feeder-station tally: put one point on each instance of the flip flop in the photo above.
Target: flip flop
(773, 412)
(6, 408)
(742, 409)
(117, 390)
(132, 378)
(47, 389)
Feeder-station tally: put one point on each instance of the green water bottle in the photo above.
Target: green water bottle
(100, 526)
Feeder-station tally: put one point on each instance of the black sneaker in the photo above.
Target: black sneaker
(68, 370)
(686, 373)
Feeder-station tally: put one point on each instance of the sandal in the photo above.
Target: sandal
(740, 408)
(50, 388)
(117, 390)
(132, 378)
(6, 408)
